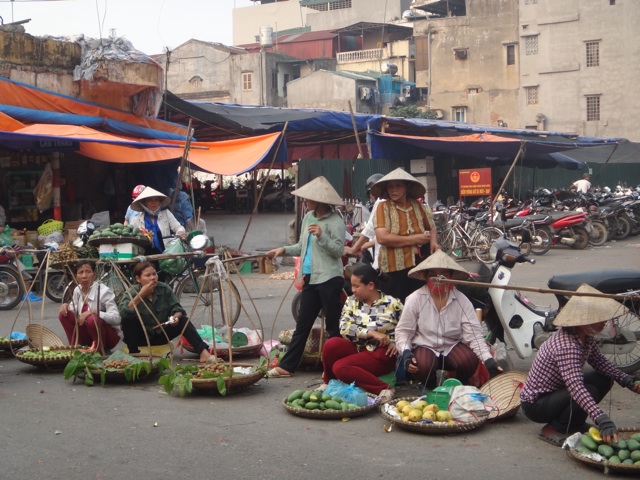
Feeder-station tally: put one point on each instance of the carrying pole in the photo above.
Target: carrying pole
(183, 160)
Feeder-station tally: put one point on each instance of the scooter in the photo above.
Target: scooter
(571, 228)
(511, 318)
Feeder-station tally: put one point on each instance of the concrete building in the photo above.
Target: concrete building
(283, 15)
(578, 62)
(333, 91)
(467, 60)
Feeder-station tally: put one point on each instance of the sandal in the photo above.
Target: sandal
(386, 396)
(274, 373)
(552, 436)
(321, 388)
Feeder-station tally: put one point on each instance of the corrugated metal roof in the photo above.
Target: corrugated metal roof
(371, 76)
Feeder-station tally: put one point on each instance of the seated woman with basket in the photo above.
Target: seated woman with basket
(152, 315)
(366, 349)
(92, 317)
(156, 220)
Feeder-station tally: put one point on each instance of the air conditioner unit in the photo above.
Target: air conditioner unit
(439, 114)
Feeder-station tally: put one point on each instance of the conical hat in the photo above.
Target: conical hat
(319, 190)
(415, 189)
(438, 260)
(588, 310)
(149, 193)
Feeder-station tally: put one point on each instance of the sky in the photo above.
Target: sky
(151, 25)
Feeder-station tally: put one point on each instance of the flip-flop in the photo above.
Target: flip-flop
(274, 373)
(552, 436)
(386, 395)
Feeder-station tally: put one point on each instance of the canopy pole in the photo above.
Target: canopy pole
(355, 130)
(257, 202)
(183, 160)
(506, 177)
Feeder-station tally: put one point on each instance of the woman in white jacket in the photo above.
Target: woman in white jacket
(92, 317)
(160, 222)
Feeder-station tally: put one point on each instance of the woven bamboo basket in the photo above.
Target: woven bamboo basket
(331, 414)
(39, 336)
(605, 466)
(12, 345)
(234, 383)
(430, 428)
(44, 363)
(245, 351)
(117, 375)
(504, 390)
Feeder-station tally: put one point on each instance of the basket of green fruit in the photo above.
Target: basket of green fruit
(620, 457)
(322, 406)
(48, 357)
(119, 233)
(10, 345)
(417, 415)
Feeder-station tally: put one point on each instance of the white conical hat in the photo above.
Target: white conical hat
(588, 310)
(415, 189)
(319, 190)
(438, 260)
(149, 193)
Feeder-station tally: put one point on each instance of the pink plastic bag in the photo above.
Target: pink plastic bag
(297, 281)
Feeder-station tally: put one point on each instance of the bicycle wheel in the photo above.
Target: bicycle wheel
(483, 241)
(207, 296)
(619, 341)
(540, 241)
(11, 289)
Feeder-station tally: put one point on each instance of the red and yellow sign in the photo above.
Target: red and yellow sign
(475, 182)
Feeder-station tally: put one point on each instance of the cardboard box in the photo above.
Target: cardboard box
(120, 251)
(265, 265)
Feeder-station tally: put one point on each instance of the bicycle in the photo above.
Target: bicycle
(470, 239)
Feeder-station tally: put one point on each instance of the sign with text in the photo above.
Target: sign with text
(474, 182)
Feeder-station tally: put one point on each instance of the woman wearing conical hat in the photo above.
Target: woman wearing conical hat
(161, 222)
(438, 328)
(405, 230)
(320, 250)
(558, 391)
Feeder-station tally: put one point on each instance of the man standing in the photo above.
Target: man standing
(582, 186)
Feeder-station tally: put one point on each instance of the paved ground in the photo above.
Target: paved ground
(53, 429)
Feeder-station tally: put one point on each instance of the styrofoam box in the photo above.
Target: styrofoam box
(120, 251)
(422, 165)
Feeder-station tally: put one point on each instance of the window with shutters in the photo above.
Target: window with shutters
(247, 80)
(593, 108)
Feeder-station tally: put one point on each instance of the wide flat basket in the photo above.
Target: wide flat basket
(330, 414)
(117, 375)
(605, 466)
(141, 241)
(245, 351)
(504, 390)
(12, 345)
(234, 383)
(66, 353)
(39, 336)
(430, 428)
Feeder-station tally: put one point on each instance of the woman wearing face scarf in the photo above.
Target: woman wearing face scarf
(161, 222)
(439, 329)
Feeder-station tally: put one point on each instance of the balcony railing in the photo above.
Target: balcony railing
(371, 54)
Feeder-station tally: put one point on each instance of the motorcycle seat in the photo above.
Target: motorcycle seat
(607, 281)
(517, 221)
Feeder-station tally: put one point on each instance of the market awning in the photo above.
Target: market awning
(491, 148)
(230, 157)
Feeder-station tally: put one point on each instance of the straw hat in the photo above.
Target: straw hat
(415, 189)
(588, 310)
(504, 390)
(319, 190)
(149, 193)
(438, 260)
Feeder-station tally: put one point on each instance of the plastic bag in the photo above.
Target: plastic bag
(468, 404)
(5, 237)
(43, 193)
(174, 266)
(297, 281)
(347, 393)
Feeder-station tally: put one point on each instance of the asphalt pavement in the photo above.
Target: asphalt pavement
(56, 429)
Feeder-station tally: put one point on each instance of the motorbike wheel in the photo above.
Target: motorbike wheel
(207, 302)
(620, 340)
(11, 287)
(56, 286)
(598, 235)
(623, 228)
(295, 307)
(482, 243)
(541, 242)
(582, 238)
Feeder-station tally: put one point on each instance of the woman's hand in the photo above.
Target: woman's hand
(182, 234)
(64, 308)
(422, 238)
(314, 229)
(382, 338)
(147, 290)
(84, 315)
(276, 252)
(392, 351)
(413, 366)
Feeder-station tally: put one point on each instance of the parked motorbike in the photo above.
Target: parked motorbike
(571, 228)
(524, 326)
(13, 287)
